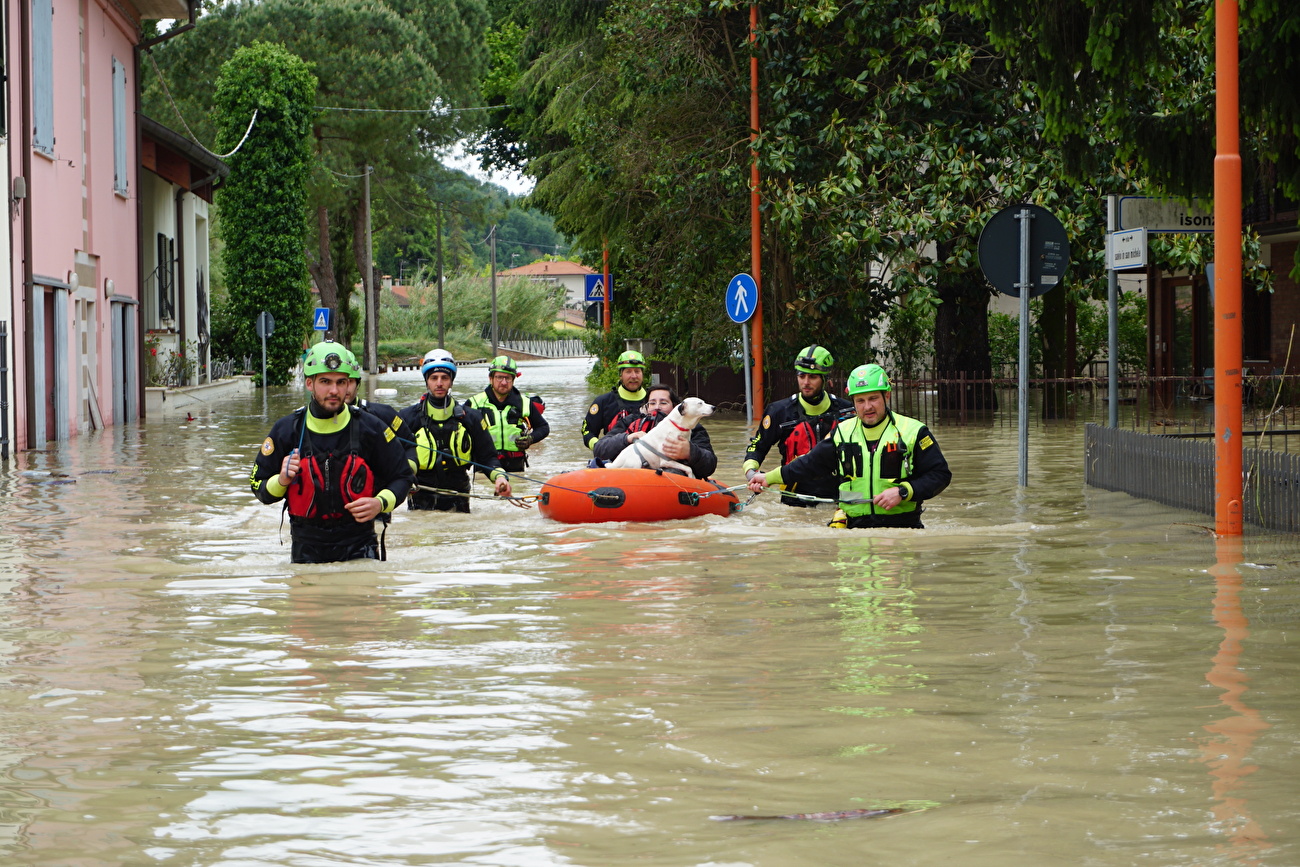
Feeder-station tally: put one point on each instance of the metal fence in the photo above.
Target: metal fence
(517, 341)
(1154, 404)
(1178, 471)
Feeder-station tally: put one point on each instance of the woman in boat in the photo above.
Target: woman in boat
(660, 400)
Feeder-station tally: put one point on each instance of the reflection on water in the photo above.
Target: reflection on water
(1228, 752)
(1027, 678)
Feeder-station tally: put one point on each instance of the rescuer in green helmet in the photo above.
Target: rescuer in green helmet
(514, 420)
(382, 411)
(626, 398)
(338, 470)
(797, 423)
(886, 464)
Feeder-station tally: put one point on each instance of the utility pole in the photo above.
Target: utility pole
(492, 236)
(1227, 273)
(755, 224)
(441, 341)
(368, 286)
(607, 312)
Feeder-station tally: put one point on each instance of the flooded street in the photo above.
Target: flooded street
(1065, 676)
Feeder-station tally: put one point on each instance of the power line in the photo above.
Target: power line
(433, 110)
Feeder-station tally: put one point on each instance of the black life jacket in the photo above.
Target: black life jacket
(328, 481)
(450, 438)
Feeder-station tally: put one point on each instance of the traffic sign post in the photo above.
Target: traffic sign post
(1035, 240)
(265, 326)
(741, 300)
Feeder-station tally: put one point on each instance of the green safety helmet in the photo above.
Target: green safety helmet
(503, 364)
(867, 378)
(326, 357)
(353, 366)
(814, 359)
(632, 358)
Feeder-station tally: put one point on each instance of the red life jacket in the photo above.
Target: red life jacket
(805, 434)
(326, 483)
(800, 442)
(644, 423)
(618, 417)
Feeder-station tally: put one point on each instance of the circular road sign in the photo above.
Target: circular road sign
(999, 250)
(741, 297)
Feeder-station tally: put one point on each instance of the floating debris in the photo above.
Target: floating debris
(832, 816)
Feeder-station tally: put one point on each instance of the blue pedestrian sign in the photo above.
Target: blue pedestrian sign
(741, 298)
(321, 321)
(596, 290)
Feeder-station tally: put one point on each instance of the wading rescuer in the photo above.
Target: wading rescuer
(697, 453)
(382, 411)
(622, 400)
(887, 464)
(337, 469)
(797, 423)
(514, 421)
(447, 441)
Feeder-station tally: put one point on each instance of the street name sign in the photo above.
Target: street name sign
(1128, 249)
(1163, 215)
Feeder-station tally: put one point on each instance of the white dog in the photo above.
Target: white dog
(648, 450)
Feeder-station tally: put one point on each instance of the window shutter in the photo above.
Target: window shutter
(120, 174)
(43, 75)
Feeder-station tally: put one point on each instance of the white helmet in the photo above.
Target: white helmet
(438, 359)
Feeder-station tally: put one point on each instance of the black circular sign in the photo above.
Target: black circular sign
(999, 250)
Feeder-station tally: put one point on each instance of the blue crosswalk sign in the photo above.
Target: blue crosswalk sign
(321, 321)
(596, 289)
(741, 298)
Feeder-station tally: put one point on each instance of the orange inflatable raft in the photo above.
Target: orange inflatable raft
(592, 496)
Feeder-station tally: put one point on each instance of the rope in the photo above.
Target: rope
(521, 502)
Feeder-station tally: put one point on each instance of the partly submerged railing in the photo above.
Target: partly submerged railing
(1178, 471)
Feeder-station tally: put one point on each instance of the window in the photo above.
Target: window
(119, 128)
(166, 272)
(43, 76)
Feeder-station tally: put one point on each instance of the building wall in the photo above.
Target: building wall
(187, 328)
(7, 310)
(83, 231)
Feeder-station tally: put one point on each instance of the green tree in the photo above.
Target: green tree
(262, 201)
(890, 134)
(1144, 73)
(386, 73)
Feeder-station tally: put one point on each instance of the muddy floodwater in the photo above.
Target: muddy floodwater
(1060, 676)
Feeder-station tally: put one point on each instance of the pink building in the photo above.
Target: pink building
(74, 314)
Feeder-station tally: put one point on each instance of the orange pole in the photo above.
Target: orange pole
(755, 225)
(1227, 275)
(606, 313)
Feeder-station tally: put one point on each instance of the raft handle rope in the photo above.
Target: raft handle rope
(521, 502)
